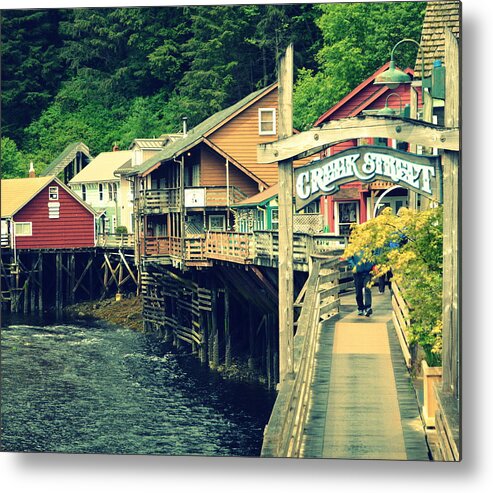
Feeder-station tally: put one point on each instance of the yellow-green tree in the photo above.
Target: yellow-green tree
(410, 244)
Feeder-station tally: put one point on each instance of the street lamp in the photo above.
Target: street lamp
(393, 77)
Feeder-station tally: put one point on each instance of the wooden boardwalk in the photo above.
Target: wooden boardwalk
(364, 405)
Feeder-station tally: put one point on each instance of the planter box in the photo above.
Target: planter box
(431, 376)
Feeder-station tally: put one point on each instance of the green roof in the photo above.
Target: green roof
(196, 134)
(69, 153)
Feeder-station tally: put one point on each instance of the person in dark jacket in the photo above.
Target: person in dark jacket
(362, 277)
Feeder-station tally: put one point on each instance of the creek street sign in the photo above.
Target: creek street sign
(421, 173)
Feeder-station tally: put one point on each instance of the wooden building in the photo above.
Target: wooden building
(355, 202)
(189, 187)
(261, 213)
(43, 213)
(98, 186)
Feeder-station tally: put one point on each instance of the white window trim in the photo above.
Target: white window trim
(223, 219)
(267, 132)
(52, 190)
(23, 223)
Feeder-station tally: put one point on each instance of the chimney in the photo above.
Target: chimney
(115, 147)
(32, 173)
(185, 129)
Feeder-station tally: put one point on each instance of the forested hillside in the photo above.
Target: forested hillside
(107, 75)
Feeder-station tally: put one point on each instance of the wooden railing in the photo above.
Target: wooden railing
(195, 248)
(168, 199)
(159, 201)
(218, 196)
(115, 240)
(232, 246)
(162, 246)
(244, 247)
(5, 241)
(283, 436)
(401, 320)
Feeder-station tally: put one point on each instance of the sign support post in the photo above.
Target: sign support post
(286, 290)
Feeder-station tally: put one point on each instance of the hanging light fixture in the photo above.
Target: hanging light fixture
(393, 77)
(386, 111)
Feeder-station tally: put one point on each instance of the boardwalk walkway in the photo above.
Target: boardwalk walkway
(364, 405)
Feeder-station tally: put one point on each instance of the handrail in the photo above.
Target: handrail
(401, 321)
(284, 433)
(115, 240)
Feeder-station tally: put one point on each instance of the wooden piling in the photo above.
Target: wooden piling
(227, 331)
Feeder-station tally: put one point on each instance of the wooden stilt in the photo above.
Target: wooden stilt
(40, 283)
(251, 338)
(227, 330)
(214, 330)
(268, 350)
(58, 281)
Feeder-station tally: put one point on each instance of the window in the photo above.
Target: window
(101, 192)
(23, 229)
(267, 121)
(347, 216)
(380, 141)
(217, 223)
(53, 193)
(112, 188)
(84, 193)
(274, 218)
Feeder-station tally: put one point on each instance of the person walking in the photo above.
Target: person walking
(362, 277)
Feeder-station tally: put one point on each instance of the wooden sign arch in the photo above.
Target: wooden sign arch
(417, 172)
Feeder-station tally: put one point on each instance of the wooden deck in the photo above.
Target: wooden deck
(363, 403)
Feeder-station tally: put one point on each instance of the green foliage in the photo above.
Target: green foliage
(13, 161)
(417, 266)
(357, 40)
(31, 66)
(100, 75)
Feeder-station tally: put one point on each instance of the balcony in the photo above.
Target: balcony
(159, 201)
(167, 200)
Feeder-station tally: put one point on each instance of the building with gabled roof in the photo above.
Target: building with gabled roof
(355, 202)
(74, 158)
(98, 186)
(43, 213)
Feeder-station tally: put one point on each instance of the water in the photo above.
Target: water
(91, 388)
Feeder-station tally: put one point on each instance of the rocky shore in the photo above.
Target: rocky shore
(126, 312)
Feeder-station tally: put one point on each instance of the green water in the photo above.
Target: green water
(90, 388)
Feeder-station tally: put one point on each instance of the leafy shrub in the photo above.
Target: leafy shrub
(417, 266)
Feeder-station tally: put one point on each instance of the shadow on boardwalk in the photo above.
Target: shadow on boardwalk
(364, 405)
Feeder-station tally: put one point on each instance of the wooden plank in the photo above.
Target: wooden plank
(451, 218)
(301, 144)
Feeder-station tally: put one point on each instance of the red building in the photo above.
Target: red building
(354, 203)
(44, 213)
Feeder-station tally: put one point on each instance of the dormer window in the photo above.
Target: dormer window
(267, 121)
